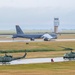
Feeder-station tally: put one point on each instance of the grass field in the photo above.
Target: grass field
(60, 68)
(54, 47)
(37, 45)
(66, 36)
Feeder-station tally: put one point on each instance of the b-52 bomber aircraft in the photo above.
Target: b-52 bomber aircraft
(32, 37)
(7, 58)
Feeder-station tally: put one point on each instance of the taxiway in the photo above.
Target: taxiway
(37, 40)
(37, 60)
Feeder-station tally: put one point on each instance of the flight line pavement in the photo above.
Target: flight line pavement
(37, 60)
(36, 40)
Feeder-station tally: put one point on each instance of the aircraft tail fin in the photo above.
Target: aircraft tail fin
(19, 30)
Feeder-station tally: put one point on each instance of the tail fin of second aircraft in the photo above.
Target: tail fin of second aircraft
(19, 30)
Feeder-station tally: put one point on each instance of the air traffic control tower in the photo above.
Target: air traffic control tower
(56, 24)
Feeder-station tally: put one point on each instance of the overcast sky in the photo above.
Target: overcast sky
(36, 14)
(38, 3)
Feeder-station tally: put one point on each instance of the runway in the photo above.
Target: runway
(37, 60)
(37, 40)
(20, 40)
(64, 39)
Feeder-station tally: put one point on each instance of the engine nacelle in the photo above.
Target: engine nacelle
(47, 37)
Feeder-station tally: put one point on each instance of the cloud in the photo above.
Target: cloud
(37, 12)
(65, 4)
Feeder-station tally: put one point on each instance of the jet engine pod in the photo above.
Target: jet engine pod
(47, 37)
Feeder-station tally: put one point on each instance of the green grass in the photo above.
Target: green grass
(55, 68)
(46, 66)
(37, 45)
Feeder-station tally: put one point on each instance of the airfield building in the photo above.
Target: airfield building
(56, 24)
